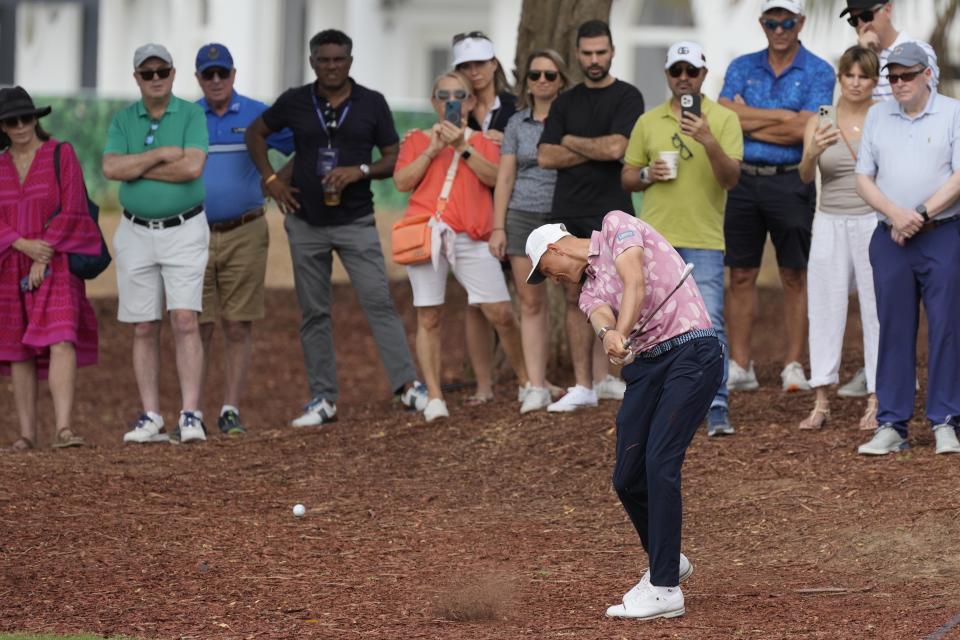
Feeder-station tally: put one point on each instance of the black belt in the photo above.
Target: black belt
(928, 226)
(164, 223)
(230, 225)
(767, 169)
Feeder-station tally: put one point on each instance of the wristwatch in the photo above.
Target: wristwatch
(466, 153)
(365, 170)
(603, 331)
(645, 175)
(922, 210)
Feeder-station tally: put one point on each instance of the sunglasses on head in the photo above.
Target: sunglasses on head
(906, 76)
(152, 133)
(864, 16)
(220, 72)
(469, 34)
(786, 25)
(677, 70)
(549, 75)
(456, 94)
(147, 74)
(14, 121)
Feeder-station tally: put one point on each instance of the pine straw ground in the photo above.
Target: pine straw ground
(485, 526)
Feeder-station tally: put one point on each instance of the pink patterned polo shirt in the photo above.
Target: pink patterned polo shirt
(662, 267)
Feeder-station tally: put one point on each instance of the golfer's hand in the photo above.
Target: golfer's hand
(613, 344)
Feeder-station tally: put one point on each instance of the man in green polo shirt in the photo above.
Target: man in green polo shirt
(686, 203)
(157, 147)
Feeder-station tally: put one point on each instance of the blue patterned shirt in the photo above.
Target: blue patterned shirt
(805, 85)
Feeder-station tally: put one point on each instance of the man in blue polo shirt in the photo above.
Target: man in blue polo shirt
(234, 280)
(908, 170)
(774, 92)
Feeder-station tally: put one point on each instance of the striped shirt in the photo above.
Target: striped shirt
(883, 91)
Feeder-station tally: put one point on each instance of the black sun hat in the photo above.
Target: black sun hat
(17, 102)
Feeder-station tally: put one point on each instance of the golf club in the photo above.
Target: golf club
(687, 270)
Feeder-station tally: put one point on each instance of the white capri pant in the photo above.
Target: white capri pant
(475, 269)
(153, 264)
(839, 255)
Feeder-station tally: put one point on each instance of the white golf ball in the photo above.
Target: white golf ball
(299, 510)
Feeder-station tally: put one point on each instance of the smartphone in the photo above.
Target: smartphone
(690, 104)
(25, 280)
(451, 112)
(827, 116)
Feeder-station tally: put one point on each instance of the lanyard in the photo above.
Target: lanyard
(323, 123)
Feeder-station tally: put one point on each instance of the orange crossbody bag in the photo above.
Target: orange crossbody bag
(411, 236)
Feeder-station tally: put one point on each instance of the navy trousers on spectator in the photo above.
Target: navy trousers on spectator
(666, 399)
(928, 269)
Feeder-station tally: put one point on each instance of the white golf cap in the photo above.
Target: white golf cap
(151, 50)
(472, 50)
(537, 243)
(793, 6)
(686, 52)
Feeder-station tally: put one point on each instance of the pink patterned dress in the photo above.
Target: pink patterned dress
(57, 310)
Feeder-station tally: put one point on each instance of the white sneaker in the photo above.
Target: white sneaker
(191, 427)
(645, 602)
(147, 429)
(794, 379)
(576, 397)
(856, 387)
(317, 412)
(523, 390)
(686, 570)
(415, 398)
(610, 388)
(740, 379)
(535, 399)
(946, 436)
(885, 440)
(436, 409)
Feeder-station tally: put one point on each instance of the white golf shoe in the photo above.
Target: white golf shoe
(646, 602)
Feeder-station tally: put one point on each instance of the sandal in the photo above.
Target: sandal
(22, 445)
(817, 418)
(869, 420)
(67, 438)
(476, 400)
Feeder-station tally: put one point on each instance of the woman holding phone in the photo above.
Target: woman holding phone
(842, 227)
(451, 153)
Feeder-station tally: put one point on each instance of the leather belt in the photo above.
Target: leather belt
(662, 347)
(230, 225)
(929, 226)
(164, 223)
(767, 169)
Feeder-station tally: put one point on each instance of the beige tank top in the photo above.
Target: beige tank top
(838, 181)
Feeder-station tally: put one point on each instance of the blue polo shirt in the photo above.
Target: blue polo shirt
(805, 85)
(231, 179)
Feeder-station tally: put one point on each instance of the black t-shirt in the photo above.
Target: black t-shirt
(593, 188)
(368, 124)
(500, 117)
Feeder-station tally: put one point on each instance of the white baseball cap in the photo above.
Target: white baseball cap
(686, 52)
(537, 243)
(472, 50)
(793, 6)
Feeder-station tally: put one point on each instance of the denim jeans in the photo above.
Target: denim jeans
(708, 275)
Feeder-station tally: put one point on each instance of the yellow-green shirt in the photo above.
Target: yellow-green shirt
(687, 211)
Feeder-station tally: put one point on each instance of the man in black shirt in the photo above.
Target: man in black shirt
(584, 138)
(336, 123)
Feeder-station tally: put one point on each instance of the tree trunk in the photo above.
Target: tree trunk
(940, 40)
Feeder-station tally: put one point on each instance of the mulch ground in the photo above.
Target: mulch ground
(484, 526)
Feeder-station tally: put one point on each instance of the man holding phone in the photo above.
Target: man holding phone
(688, 208)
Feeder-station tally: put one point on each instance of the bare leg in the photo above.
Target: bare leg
(480, 345)
(534, 321)
(794, 311)
(189, 347)
(24, 378)
(821, 411)
(146, 363)
(741, 313)
(501, 316)
(581, 337)
(63, 382)
(238, 346)
(428, 348)
(206, 336)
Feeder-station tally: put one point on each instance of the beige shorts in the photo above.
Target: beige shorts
(234, 281)
(476, 270)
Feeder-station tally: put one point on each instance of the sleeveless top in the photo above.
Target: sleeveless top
(838, 187)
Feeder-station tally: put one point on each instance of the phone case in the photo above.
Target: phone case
(451, 112)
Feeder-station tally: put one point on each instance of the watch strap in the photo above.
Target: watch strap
(922, 210)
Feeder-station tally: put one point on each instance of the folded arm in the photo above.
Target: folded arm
(132, 166)
(557, 156)
(604, 148)
(187, 168)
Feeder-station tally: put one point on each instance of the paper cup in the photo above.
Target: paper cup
(672, 158)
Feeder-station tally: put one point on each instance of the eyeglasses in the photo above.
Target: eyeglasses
(906, 76)
(14, 121)
(443, 94)
(786, 25)
(864, 16)
(678, 143)
(469, 34)
(549, 75)
(147, 74)
(219, 72)
(152, 133)
(677, 70)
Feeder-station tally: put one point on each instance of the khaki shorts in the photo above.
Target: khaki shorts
(233, 284)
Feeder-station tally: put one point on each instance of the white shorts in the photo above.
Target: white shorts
(476, 269)
(157, 263)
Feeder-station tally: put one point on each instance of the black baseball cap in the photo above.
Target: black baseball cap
(861, 4)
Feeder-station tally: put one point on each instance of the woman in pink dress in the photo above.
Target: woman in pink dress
(47, 326)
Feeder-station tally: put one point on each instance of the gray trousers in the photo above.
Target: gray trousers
(358, 246)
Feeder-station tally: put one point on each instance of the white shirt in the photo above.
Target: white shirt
(883, 91)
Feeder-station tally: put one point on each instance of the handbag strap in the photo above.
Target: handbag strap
(853, 153)
(56, 174)
(448, 181)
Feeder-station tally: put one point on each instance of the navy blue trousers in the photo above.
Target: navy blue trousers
(927, 269)
(667, 398)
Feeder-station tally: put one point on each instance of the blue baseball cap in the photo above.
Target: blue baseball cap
(214, 55)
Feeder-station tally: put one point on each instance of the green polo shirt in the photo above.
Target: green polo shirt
(688, 211)
(184, 124)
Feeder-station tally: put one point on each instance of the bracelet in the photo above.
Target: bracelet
(269, 179)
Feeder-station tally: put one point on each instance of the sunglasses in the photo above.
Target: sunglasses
(14, 121)
(678, 143)
(863, 16)
(469, 34)
(443, 95)
(906, 76)
(549, 75)
(152, 133)
(147, 74)
(677, 70)
(786, 25)
(219, 72)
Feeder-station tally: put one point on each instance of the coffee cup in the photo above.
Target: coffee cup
(672, 158)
